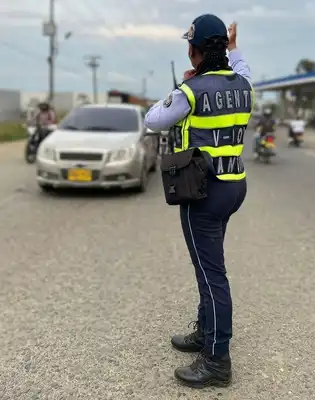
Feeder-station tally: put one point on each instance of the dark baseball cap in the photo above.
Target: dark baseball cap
(204, 27)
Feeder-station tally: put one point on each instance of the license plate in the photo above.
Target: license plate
(270, 145)
(79, 175)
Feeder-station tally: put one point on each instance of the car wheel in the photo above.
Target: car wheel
(154, 166)
(143, 180)
(29, 154)
(46, 188)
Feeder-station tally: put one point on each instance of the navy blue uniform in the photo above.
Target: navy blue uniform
(204, 223)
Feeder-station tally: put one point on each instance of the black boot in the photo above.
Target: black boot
(206, 371)
(192, 343)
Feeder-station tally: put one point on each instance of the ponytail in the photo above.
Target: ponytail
(213, 51)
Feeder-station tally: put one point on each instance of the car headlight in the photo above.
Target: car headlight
(48, 153)
(122, 154)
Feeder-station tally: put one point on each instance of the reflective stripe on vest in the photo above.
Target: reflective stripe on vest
(227, 155)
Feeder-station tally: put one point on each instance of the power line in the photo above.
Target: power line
(53, 44)
(94, 64)
(27, 53)
(126, 44)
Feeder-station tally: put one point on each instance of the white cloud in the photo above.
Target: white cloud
(310, 7)
(187, 1)
(141, 35)
(117, 77)
(151, 32)
(185, 16)
(261, 12)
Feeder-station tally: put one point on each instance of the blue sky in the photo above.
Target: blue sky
(137, 36)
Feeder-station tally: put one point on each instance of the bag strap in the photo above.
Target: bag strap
(186, 123)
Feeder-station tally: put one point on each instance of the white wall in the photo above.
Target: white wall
(10, 105)
(13, 102)
(64, 101)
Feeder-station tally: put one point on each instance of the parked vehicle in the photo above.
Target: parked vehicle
(101, 146)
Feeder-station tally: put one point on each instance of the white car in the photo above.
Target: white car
(102, 146)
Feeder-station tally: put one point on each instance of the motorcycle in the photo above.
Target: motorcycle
(35, 136)
(296, 139)
(267, 148)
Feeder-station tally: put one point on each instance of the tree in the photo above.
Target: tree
(304, 66)
(304, 95)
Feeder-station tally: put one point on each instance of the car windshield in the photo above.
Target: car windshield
(101, 119)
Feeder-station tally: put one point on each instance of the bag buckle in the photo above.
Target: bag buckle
(172, 170)
(171, 189)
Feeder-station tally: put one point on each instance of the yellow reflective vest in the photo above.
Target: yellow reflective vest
(221, 104)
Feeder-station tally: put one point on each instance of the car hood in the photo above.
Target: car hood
(61, 139)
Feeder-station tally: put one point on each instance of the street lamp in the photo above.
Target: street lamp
(50, 31)
(66, 37)
(144, 83)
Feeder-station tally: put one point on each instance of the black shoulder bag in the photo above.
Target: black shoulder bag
(184, 176)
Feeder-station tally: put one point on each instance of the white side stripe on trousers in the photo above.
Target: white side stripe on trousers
(204, 274)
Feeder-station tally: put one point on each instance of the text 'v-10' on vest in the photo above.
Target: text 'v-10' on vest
(221, 105)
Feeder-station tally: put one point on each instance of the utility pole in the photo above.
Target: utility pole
(93, 62)
(144, 88)
(50, 30)
(175, 84)
(145, 84)
(52, 43)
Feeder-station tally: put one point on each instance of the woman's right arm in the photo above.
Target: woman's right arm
(239, 65)
(237, 62)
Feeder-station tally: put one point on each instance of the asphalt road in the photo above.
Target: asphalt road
(92, 287)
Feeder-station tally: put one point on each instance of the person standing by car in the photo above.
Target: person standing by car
(210, 112)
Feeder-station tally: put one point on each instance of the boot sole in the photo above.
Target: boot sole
(211, 383)
(186, 350)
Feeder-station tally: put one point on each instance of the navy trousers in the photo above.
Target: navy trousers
(204, 225)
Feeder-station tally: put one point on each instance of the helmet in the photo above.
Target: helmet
(267, 112)
(44, 106)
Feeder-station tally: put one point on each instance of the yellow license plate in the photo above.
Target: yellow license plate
(80, 175)
(270, 145)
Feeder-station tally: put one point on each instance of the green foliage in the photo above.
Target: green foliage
(11, 131)
(304, 66)
(304, 94)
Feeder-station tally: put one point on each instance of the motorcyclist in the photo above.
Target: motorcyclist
(265, 125)
(45, 116)
(296, 126)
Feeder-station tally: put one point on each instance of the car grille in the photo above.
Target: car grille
(81, 156)
(95, 174)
